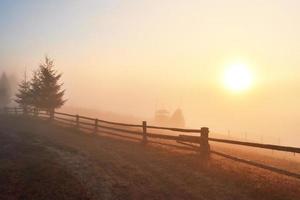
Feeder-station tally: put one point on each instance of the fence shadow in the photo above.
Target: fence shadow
(259, 165)
(78, 123)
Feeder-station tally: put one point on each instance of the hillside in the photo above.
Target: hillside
(39, 160)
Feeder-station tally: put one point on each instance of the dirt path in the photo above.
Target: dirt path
(97, 167)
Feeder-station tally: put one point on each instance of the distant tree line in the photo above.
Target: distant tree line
(5, 90)
(43, 91)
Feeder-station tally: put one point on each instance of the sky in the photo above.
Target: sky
(136, 56)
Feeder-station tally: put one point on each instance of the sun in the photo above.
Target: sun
(238, 77)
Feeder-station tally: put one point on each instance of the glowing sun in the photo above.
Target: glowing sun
(238, 77)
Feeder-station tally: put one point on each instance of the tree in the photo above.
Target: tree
(23, 97)
(43, 91)
(177, 119)
(47, 87)
(35, 91)
(5, 91)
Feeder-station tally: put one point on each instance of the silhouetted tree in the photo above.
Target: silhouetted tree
(35, 91)
(23, 96)
(43, 91)
(177, 119)
(5, 91)
(47, 87)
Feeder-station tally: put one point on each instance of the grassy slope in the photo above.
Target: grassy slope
(47, 162)
(29, 171)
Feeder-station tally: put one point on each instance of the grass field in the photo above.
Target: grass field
(39, 160)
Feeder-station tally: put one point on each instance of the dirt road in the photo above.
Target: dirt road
(43, 161)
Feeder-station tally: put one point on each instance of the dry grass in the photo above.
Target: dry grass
(79, 166)
(29, 171)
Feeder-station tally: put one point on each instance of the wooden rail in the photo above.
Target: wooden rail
(141, 132)
(98, 125)
(258, 145)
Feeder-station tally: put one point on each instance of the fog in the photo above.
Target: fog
(124, 61)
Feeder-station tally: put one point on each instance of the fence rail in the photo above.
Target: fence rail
(141, 132)
(97, 124)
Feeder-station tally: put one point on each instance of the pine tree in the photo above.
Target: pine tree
(177, 119)
(23, 97)
(5, 91)
(35, 91)
(50, 92)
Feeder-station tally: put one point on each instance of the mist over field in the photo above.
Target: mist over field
(143, 99)
(134, 58)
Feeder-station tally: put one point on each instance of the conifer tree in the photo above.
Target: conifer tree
(177, 119)
(35, 91)
(23, 97)
(49, 92)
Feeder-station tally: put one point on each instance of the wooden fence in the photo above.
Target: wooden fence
(94, 124)
(142, 132)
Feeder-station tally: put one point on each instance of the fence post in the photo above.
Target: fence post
(6, 110)
(145, 139)
(51, 115)
(25, 110)
(77, 121)
(96, 126)
(204, 145)
(16, 111)
(36, 112)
